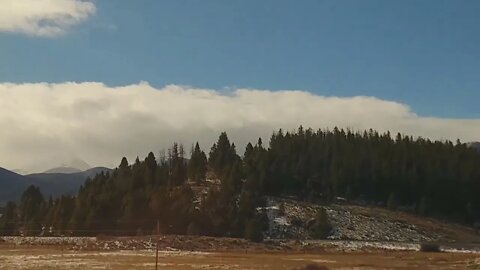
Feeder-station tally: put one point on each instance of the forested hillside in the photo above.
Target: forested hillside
(438, 179)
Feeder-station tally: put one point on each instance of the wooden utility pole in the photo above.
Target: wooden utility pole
(156, 249)
(156, 257)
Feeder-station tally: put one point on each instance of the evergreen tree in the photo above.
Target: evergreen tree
(222, 154)
(197, 166)
(177, 165)
(32, 209)
(8, 222)
(321, 227)
(123, 163)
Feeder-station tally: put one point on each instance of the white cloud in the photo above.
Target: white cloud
(43, 125)
(45, 18)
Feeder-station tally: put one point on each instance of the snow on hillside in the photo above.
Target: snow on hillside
(288, 219)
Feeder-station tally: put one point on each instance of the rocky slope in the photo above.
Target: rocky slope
(288, 219)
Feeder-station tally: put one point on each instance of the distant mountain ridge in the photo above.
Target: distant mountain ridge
(75, 166)
(57, 184)
(51, 184)
(63, 170)
(11, 185)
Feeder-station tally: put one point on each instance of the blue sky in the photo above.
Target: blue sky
(97, 80)
(422, 53)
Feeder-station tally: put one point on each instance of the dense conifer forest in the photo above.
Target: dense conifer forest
(160, 194)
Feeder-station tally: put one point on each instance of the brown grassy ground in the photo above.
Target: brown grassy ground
(55, 258)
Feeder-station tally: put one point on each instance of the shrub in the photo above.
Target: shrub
(295, 221)
(392, 202)
(313, 266)
(321, 226)
(263, 220)
(429, 247)
(193, 229)
(253, 231)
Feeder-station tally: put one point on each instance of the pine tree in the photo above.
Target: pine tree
(222, 154)
(8, 222)
(197, 166)
(123, 163)
(32, 209)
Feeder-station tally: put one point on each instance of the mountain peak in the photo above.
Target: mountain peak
(63, 170)
(74, 166)
(79, 164)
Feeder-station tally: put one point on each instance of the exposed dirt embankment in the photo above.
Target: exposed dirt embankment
(176, 243)
(167, 242)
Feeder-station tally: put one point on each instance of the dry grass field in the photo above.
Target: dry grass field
(55, 258)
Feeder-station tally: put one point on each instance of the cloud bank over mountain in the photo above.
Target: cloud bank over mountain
(45, 18)
(45, 124)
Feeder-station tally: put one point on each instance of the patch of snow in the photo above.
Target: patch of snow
(347, 223)
(281, 221)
